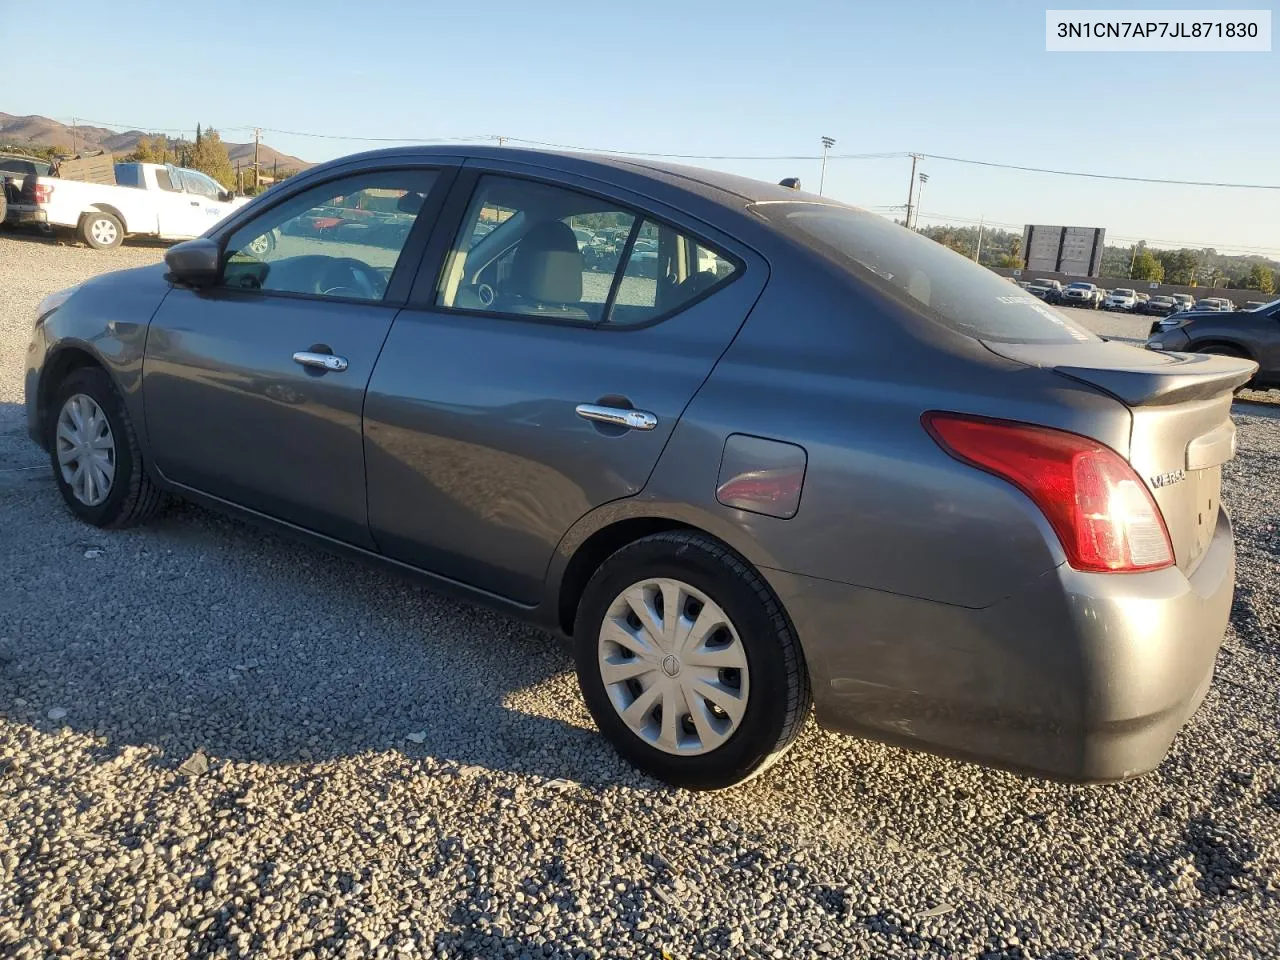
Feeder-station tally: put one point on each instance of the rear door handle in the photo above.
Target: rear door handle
(617, 416)
(321, 361)
(195, 203)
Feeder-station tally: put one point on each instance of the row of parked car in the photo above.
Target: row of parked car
(1126, 299)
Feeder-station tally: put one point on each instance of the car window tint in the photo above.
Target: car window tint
(922, 275)
(340, 239)
(665, 270)
(532, 249)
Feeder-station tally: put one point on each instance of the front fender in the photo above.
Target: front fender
(104, 323)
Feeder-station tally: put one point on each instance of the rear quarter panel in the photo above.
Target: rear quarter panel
(831, 367)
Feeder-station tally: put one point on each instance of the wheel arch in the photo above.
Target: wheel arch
(595, 537)
(107, 208)
(64, 361)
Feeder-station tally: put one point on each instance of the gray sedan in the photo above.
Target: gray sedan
(779, 452)
(1251, 334)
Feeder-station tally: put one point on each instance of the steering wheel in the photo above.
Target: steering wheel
(348, 277)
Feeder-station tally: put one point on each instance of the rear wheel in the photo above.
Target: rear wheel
(688, 662)
(1226, 350)
(101, 230)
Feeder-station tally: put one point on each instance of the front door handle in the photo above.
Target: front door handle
(321, 361)
(195, 203)
(617, 416)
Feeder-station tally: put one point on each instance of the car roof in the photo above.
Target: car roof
(726, 188)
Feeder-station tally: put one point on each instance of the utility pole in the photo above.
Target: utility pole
(827, 144)
(74, 123)
(911, 186)
(923, 178)
(501, 140)
(257, 139)
(1133, 260)
(977, 254)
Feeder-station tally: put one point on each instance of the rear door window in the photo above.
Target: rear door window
(924, 276)
(531, 249)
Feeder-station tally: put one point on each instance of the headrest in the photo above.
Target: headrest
(547, 265)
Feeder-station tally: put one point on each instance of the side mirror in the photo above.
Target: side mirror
(194, 263)
(226, 196)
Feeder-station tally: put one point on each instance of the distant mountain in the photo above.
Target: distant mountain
(36, 131)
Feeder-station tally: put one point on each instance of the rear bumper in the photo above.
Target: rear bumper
(25, 215)
(1082, 677)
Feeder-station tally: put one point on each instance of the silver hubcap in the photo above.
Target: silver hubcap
(104, 231)
(673, 666)
(86, 450)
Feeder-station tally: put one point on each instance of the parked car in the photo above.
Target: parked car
(1245, 334)
(153, 199)
(1080, 294)
(1184, 300)
(1121, 298)
(1253, 304)
(1214, 304)
(953, 520)
(1047, 290)
(1160, 306)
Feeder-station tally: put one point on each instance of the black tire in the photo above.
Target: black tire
(4, 203)
(109, 234)
(134, 497)
(779, 696)
(1224, 350)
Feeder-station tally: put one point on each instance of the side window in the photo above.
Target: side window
(531, 249)
(339, 239)
(197, 183)
(665, 270)
(165, 182)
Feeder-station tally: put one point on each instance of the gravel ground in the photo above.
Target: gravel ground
(218, 743)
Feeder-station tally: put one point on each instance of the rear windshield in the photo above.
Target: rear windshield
(1080, 286)
(924, 276)
(1123, 292)
(129, 174)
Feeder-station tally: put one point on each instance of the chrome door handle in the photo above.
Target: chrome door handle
(321, 361)
(617, 416)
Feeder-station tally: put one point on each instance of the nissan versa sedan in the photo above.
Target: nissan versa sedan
(792, 456)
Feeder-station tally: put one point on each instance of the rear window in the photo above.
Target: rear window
(128, 175)
(922, 275)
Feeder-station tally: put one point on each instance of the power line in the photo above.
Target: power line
(1106, 176)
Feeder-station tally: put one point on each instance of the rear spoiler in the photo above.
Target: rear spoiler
(1212, 375)
(1136, 377)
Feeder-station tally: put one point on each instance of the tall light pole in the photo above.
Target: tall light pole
(911, 186)
(827, 144)
(924, 178)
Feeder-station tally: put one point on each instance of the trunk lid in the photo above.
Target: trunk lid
(1181, 433)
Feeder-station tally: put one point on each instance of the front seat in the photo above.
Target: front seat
(546, 274)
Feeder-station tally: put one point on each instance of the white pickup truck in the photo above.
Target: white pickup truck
(152, 199)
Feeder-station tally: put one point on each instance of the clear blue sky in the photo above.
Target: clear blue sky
(963, 79)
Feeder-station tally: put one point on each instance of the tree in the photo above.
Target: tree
(1147, 267)
(150, 150)
(1179, 266)
(1260, 278)
(209, 156)
(197, 133)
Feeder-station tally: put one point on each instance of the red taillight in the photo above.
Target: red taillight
(1099, 507)
(43, 192)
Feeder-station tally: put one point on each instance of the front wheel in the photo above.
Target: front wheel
(101, 231)
(94, 451)
(688, 662)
